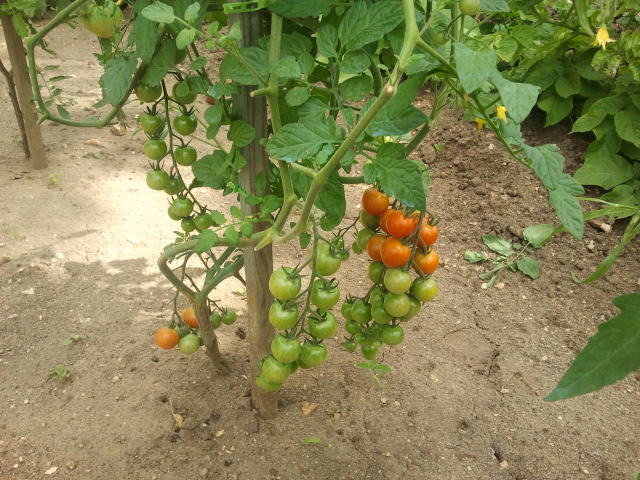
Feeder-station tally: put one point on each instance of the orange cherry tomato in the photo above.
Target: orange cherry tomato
(374, 201)
(426, 263)
(394, 253)
(167, 338)
(383, 219)
(189, 317)
(428, 234)
(373, 247)
(399, 225)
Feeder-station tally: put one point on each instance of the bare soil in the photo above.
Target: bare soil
(78, 244)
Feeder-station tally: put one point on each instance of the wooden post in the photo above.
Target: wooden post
(257, 265)
(23, 89)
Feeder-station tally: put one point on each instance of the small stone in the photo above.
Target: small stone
(585, 471)
(51, 471)
(219, 433)
(384, 400)
(94, 142)
(504, 464)
(591, 245)
(115, 379)
(29, 291)
(70, 464)
(203, 472)
(500, 285)
(308, 407)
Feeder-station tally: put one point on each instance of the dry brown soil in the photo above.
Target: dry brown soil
(464, 400)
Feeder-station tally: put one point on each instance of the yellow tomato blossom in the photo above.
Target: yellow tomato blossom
(501, 112)
(602, 38)
(479, 123)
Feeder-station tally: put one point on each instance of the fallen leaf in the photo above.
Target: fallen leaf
(308, 407)
(179, 419)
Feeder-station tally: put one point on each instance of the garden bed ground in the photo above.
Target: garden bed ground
(78, 244)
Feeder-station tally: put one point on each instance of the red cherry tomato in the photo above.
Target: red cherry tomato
(394, 253)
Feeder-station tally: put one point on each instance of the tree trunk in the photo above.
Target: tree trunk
(257, 265)
(18, 60)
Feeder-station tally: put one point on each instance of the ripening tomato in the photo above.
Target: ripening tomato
(373, 247)
(167, 338)
(189, 317)
(368, 220)
(189, 344)
(428, 234)
(383, 219)
(424, 289)
(426, 263)
(374, 202)
(394, 253)
(399, 225)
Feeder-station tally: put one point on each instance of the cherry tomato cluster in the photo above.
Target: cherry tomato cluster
(186, 334)
(153, 123)
(302, 330)
(395, 240)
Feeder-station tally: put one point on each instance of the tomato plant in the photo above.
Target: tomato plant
(329, 117)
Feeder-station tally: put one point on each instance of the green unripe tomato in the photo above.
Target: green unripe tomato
(323, 295)
(372, 222)
(349, 346)
(376, 297)
(312, 355)
(178, 94)
(392, 335)
(369, 350)
(266, 384)
(345, 310)
(470, 7)
(282, 318)
(174, 186)
(284, 284)
(147, 94)
(327, 263)
(216, 319)
(323, 327)
(397, 281)
(274, 370)
(285, 349)
(228, 317)
(185, 156)
(155, 148)
(361, 311)
(352, 327)
(414, 309)
(151, 124)
(189, 344)
(397, 305)
(424, 289)
(188, 225)
(172, 214)
(375, 270)
(157, 179)
(363, 237)
(202, 221)
(380, 315)
(182, 207)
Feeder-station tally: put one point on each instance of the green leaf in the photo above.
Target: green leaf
(399, 177)
(300, 8)
(146, 35)
(159, 12)
(312, 440)
(557, 108)
(519, 98)
(231, 234)
(218, 218)
(488, 6)
(610, 354)
(538, 235)
(191, 13)
(546, 162)
(220, 90)
(356, 88)
(568, 84)
(529, 266)
(327, 40)
(286, 67)
(198, 63)
(296, 141)
(297, 96)
(399, 116)
(598, 111)
(373, 365)
(354, 62)
(206, 240)
(363, 24)
(603, 168)
(213, 170)
(235, 211)
(627, 123)
(241, 133)
(116, 78)
(20, 24)
(568, 211)
(498, 244)
(231, 68)
(214, 113)
(473, 67)
(185, 38)
(163, 61)
(332, 202)
(472, 256)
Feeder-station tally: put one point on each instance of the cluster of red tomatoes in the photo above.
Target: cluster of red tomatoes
(395, 240)
(186, 334)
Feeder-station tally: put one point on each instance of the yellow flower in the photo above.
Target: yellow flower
(602, 38)
(479, 123)
(501, 112)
